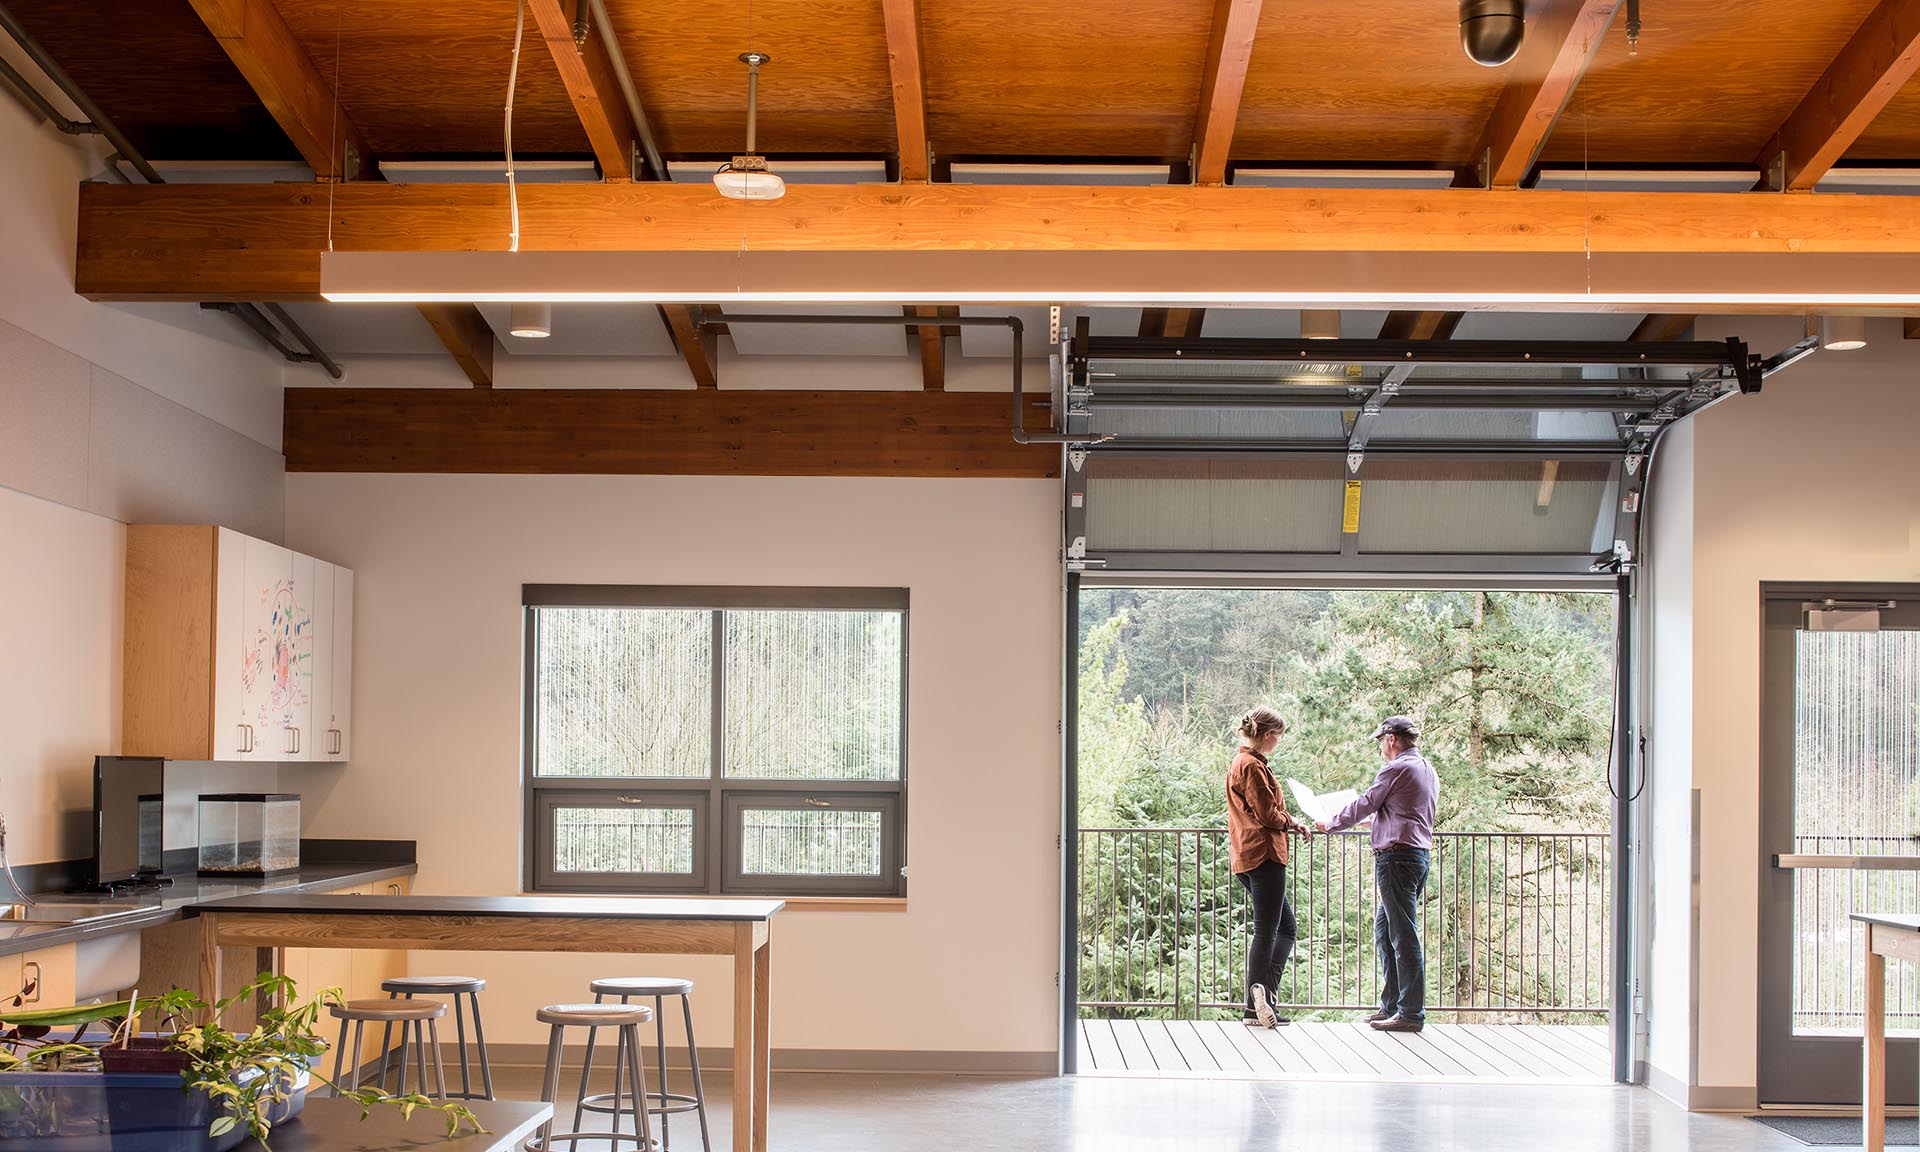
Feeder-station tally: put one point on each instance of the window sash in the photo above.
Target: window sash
(717, 846)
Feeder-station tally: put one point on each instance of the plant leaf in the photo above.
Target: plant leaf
(222, 1126)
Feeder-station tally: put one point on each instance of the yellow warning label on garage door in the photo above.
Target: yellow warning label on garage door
(1350, 522)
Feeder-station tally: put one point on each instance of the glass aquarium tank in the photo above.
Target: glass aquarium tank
(249, 834)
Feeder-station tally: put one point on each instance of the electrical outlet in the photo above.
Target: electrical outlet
(30, 980)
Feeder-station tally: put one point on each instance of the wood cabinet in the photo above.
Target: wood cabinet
(235, 649)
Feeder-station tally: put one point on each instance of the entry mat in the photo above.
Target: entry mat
(1843, 1131)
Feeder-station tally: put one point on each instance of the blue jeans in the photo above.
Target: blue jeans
(1400, 876)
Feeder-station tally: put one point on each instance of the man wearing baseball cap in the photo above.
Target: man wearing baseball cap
(1402, 802)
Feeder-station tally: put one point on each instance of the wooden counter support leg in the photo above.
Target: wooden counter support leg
(209, 959)
(762, 1050)
(745, 1059)
(1873, 1094)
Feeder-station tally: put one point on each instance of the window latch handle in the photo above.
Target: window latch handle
(813, 803)
(626, 799)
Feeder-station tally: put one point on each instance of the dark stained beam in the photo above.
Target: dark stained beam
(468, 337)
(699, 345)
(1910, 327)
(1229, 49)
(586, 71)
(933, 346)
(263, 48)
(1663, 326)
(1865, 75)
(661, 432)
(1183, 323)
(1562, 38)
(1420, 325)
(909, 87)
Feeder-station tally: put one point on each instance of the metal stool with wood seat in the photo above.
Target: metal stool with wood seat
(662, 1103)
(628, 1072)
(420, 1016)
(456, 987)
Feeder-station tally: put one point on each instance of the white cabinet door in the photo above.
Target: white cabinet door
(297, 741)
(276, 666)
(234, 735)
(340, 739)
(317, 742)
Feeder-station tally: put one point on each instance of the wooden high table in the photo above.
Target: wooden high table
(680, 927)
(1894, 936)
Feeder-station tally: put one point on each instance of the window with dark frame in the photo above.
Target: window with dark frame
(715, 740)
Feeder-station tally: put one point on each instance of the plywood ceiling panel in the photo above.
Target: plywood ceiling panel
(1100, 78)
(1895, 133)
(1378, 81)
(156, 70)
(826, 90)
(1711, 83)
(430, 76)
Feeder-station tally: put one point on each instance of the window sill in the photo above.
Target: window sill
(794, 903)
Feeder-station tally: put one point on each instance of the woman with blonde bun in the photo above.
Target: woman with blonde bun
(1257, 829)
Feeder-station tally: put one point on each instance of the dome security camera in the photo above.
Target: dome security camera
(1491, 30)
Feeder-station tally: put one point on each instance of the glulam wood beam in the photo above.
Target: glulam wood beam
(902, 18)
(699, 344)
(1562, 38)
(932, 342)
(1405, 325)
(263, 48)
(468, 337)
(1662, 326)
(1863, 77)
(662, 432)
(1229, 49)
(586, 71)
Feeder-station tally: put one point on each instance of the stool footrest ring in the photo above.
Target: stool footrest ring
(602, 1102)
(535, 1144)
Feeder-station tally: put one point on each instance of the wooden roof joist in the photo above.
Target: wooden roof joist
(1451, 247)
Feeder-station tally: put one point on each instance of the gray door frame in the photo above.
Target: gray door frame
(1794, 1069)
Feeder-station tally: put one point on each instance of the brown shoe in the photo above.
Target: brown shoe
(1382, 1015)
(1398, 1024)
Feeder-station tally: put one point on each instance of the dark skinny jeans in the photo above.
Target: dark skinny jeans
(1400, 877)
(1273, 927)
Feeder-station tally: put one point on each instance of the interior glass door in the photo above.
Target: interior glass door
(1840, 811)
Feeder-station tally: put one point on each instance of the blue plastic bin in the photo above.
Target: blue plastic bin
(121, 1112)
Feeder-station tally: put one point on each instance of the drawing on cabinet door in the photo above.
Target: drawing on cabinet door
(319, 737)
(276, 656)
(340, 737)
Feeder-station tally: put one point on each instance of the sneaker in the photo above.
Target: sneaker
(1263, 1008)
(1398, 1024)
(1251, 1021)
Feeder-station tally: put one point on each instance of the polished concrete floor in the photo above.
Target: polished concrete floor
(843, 1112)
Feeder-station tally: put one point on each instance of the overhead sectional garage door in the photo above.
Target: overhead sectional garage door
(1375, 457)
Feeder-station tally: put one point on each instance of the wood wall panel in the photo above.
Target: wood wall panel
(705, 432)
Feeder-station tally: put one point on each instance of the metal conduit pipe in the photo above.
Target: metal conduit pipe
(255, 318)
(619, 61)
(1011, 323)
(65, 83)
(30, 96)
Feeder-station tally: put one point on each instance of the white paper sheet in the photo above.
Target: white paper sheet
(1320, 808)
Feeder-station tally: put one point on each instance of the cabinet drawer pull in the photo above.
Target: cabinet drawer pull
(246, 738)
(393, 889)
(333, 741)
(291, 742)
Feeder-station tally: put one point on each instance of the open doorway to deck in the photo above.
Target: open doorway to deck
(1515, 690)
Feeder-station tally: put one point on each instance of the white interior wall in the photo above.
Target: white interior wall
(439, 560)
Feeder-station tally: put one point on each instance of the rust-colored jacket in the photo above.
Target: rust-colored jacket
(1257, 821)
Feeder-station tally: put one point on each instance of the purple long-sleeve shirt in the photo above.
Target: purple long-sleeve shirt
(1401, 801)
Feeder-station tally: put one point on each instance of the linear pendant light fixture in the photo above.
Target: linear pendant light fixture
(1779, 282)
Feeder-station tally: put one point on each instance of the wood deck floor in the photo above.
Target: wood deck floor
(1511, 1053)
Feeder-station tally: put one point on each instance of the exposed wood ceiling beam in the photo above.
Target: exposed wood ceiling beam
(1420, 325)
(933, 346)
(1910, 327)
(1866, 74)
(661, 432)
(264, 241)
(909, 87)
(1181, 323)
(1229, 48)
(699, 344)
(1561, 41)
(468, 337)
(263, 48)
(587, 73)
(1663, 326)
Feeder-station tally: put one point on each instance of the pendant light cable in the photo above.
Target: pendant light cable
(513, 75)
(333, 125)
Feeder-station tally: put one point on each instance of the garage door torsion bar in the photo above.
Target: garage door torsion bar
(1011, 323)
(74, 93)
(1730, 354)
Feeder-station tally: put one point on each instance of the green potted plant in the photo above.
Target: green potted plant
(246, 1081)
